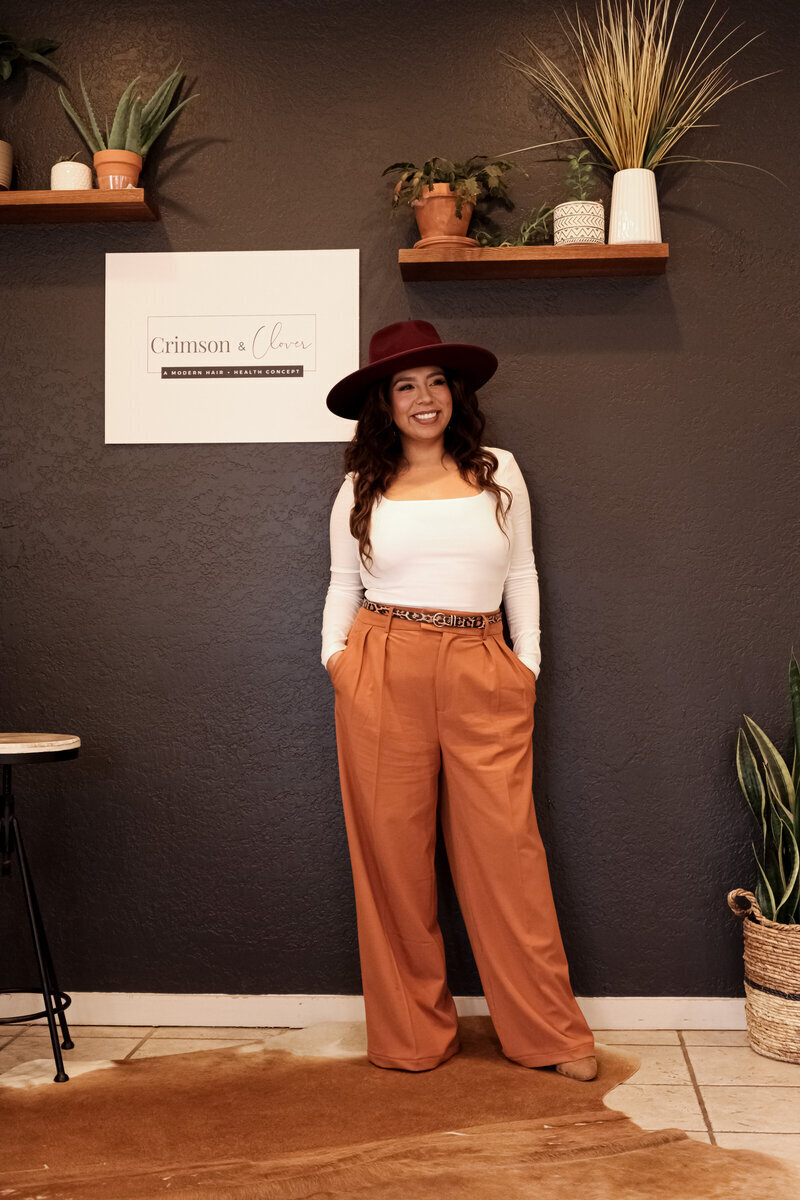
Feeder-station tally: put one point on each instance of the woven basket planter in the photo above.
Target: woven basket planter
(771, 980)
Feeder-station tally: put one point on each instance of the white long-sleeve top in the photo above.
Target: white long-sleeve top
(443, 554)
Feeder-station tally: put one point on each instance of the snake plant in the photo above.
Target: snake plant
(137, 123)
(772, 793)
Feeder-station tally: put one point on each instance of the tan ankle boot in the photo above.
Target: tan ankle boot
(579, 1068)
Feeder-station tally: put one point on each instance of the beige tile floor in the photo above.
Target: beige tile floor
(707, 1082)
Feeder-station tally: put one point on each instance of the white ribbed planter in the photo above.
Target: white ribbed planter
(70, 177)
(577, 221)
(634, 207)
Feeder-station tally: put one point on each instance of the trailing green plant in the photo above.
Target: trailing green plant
(137, 123)
(472, 181)
(536, 228)
(69, 157)
(772, 793)
(34, 51)
(636, 97)
(579, 178)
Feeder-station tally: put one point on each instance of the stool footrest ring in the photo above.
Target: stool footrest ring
(63, 1003)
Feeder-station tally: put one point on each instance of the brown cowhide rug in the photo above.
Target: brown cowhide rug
(270, 1123)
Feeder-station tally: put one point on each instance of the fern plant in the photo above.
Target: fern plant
(473, 180)
(137, 123)
(772, 793)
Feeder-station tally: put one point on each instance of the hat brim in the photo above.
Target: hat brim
(346, 398)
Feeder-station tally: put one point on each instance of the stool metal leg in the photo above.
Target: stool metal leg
(12, 841)
(42, 953)
(30, 894)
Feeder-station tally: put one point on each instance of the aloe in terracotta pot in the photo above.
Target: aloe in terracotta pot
(443, 194)
(118, 157)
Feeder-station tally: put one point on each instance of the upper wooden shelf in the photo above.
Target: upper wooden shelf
(127, 204)
(533, 262)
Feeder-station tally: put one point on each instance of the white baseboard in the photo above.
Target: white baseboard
(162, 1008)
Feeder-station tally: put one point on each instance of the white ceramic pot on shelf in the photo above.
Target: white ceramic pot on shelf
(70, 177)
(579, 221)
(634, 207)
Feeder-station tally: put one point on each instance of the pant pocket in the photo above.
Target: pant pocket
(521, 669)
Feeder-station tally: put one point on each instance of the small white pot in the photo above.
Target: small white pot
(6, 165)
(634, 207)
(70, 177)
(579, 221)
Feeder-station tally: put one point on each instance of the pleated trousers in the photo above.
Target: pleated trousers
(431, 715)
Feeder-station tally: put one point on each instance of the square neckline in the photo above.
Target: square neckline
(434, 499)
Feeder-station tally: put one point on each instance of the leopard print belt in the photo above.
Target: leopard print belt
(460, 620)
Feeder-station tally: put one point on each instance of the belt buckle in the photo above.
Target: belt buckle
(444, 620)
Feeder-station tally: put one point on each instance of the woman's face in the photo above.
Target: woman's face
(418, 390)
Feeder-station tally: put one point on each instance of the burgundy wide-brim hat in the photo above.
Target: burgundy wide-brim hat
(408, 344)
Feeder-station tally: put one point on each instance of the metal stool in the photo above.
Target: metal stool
(29, 748)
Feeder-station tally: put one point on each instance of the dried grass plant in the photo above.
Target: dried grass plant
(637, 96)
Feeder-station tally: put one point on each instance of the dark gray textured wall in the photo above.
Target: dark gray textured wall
(164, 602)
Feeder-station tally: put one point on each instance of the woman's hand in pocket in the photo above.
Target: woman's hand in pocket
(333, 658)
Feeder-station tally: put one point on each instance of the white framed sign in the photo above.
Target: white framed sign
(229, 345)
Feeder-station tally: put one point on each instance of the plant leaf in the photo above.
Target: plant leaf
(119, 128)
(91, 142)
(146, 145)
(777, 772)
(133, 134)
(95, 128)
(765, 894)
(750, 782)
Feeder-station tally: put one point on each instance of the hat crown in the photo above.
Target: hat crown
(401, 337)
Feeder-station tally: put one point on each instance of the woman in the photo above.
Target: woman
(433, 707)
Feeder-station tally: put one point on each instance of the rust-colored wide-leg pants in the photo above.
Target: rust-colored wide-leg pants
(414, 701)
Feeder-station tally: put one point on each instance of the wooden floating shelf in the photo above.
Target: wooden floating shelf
(532, 262)
(126, 204)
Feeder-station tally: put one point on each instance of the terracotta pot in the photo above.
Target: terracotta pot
(6, 165)
(117, 169)
(577, 221)
(436, 218)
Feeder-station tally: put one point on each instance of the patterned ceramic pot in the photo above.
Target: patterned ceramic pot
(579, 221)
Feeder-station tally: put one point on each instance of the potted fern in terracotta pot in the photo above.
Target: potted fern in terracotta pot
(118, 158)
(443, 195)
(629, 54)
(772, 915)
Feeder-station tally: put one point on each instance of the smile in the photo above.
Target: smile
(427, 417)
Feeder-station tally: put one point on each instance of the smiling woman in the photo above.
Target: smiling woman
(433, 708)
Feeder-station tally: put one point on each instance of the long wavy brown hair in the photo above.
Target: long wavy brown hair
(375, 454)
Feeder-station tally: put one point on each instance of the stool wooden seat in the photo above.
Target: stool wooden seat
(18, 748)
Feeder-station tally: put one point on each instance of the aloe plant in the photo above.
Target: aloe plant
(772, 793)
(137, 123)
